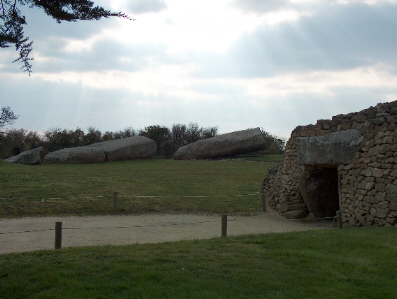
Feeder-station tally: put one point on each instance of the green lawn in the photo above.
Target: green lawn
(349, 263)
(64, 188)
(261, 158)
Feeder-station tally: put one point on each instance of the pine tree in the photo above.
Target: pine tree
(12, 21)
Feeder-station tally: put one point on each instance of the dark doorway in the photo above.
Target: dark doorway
(319, 189)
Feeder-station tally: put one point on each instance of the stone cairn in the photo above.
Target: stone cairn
(366, 185)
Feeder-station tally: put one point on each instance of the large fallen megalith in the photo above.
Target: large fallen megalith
(75, 155)
(135, 147)
(239, 142)
(30, 157)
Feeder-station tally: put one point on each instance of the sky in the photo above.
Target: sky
(231, 64)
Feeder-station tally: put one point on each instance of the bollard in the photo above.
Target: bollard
(339, 219)
(263, 202)
(58, 235)
(115, 202)
(224, 225)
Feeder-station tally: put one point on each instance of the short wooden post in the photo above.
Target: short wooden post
(339, 219)
(115, 202)
(263, 202)
(224, 225)
(58, 235)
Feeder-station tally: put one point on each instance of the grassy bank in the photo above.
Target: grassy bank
(348, 263)
(65, 188)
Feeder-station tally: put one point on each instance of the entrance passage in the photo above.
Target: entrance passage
(319, 189)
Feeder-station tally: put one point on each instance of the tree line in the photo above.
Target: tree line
(168, 140)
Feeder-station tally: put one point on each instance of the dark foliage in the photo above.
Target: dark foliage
(13, 142)
(160, 135)
(170, 140)
(167, 140)
(7, 117)
(12, 21)
(275, 145)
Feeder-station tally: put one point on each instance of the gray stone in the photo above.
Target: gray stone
(378, 173)
(382, 213)
(295, 214)
(391, 197)
(298, 206)
(391, 189)
(369, 186)
(239, 142)
(383, 205)
(76, 155)
(369, 199)
(284, 207)
(380, 196)
(30, 157)
(273, 170)
(391, 220)
(135, 147)
(332, 149)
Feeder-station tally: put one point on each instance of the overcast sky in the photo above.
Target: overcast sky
(235, 64)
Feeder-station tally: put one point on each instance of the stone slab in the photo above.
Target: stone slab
(332, 149)
(30, 157)
(76, 155)
(239, 142)
(135, 147)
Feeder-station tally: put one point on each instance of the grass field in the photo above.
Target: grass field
(64, 188)
(349, 263)
(261, 158)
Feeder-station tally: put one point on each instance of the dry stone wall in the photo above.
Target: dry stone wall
(367, 181)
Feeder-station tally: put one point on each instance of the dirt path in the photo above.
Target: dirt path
(28, 234)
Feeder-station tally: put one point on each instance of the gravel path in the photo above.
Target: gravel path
(28, 234)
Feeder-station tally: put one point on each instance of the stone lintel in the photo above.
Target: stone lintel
(332, 149)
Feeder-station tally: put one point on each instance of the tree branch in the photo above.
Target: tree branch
(11, 29)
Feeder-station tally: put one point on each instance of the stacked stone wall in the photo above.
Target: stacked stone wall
(367, 186)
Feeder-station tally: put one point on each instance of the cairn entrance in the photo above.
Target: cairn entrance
(362, 146)
(318, 186)
(319, 157)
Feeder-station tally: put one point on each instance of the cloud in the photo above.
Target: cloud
(112, 74)
(260, 6)
(146, 6)
(341, 37)
(103, 55)
(41, 26)
(113, 101)
(51, 38)
(85, 45)
(70, 104)
(54, 56)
